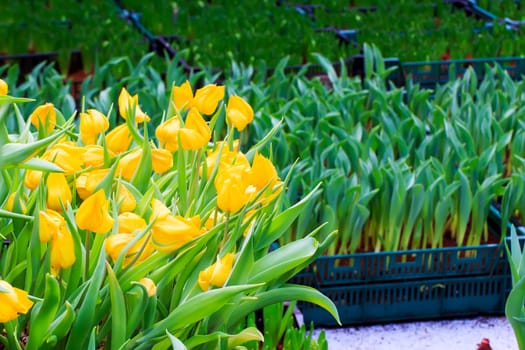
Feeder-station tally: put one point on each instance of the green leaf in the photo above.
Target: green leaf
(118, 311)
(176, 344)
(277, 263)
(284, 220)
(43, 313)
(285, 293)
(187, 314)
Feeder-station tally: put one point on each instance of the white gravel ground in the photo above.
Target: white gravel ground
(463, 334)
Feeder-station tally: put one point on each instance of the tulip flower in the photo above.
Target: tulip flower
(48, 224)
(20, 203)
(119, 139)
(182, 96)
(126, 199)
(87, 181)
(44, 115)
(128, 164)
(168, 132)
(92, 124)
(162, 160)
(62, 249)
(171, 232)
(238, 112)
(263, 172)
(93, 155)
(159, 210)
(232, 195)
(216, 274)
(58, 191)
(129, 222)
(196, 133)
(114, 245)
(52, 226)
(3, 88)
(32, 179)
(66, 156)
(13, 301)
(149, 285)
(93, 214)
(206, 98)
(128, 103)
(227, 159)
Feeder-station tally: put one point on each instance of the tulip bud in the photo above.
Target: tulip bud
(88, 181)
(127, 104)
(93, 214)
(14, 301)
(150, 286)
(92, 124)
(182, 96)
(3, 88)
(196, 133)
(126, 199)
(129, 222)
(216, 274)
(128, 164)
(119, 139)
(238, 112)
(44, 115)
(168, 132)
(207, 98)
(162, 160)
(58, 191)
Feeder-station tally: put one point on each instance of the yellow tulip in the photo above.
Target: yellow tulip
(13, 301)
(88, 181)
(119, 139)
(168, 132)
(227, 159)
(92, 124)
(162, 160)
(44, 115)
(62, 249)
(32, 179)
(128, 103)
(93, 214)
(207, 98)
(238, 112)
(182, 96)
(263, 172)
(66, 156)
(58, 191)
(3, 88)
(20, 203)
(128, 164)
(49, 222)
(216, 274)
(159, 210)
(196, 132)
(232, 195)
(126, 199)
(171, 232)
(114, 245)
(94, 155)
(52, 226)
(129, 222)
(149, 285)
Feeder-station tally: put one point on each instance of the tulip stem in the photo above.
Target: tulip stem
(88, 248)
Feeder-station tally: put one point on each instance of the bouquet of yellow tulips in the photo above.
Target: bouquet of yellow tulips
(117, 239)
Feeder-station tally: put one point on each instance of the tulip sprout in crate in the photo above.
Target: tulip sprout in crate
(122, 238)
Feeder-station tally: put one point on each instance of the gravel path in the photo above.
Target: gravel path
(462, 334)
